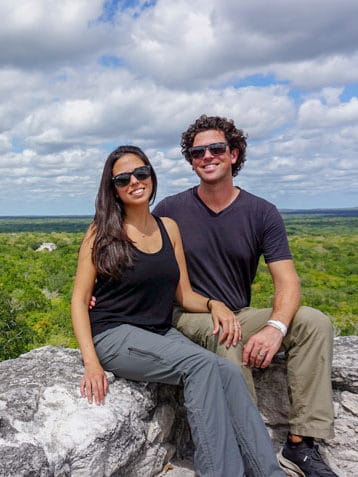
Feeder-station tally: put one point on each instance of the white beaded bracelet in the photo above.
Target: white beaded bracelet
(278, 325)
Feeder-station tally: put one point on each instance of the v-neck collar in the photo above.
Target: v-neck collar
(211, 211)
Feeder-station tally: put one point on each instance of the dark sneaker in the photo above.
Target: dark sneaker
(305, 460)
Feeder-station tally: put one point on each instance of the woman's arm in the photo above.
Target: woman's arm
(94, 382)
(194, 302)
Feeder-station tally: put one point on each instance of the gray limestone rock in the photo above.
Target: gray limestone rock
(47, 429)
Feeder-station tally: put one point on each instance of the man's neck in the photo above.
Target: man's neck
(217, 196)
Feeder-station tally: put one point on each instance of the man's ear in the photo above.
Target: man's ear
(234, 156)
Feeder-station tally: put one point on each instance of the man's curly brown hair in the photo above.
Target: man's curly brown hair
(235, 138)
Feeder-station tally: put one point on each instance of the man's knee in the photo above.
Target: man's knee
(195, 326)
(313, 321)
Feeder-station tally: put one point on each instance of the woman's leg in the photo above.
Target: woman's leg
(137, 354)
(140, 355)
(251, 434)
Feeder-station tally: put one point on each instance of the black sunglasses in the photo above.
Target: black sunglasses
(140, 173)
(215, 149)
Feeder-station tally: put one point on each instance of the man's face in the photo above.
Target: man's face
(212, 168)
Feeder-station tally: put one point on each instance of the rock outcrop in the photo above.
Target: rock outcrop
(47, 429)
(49, 246)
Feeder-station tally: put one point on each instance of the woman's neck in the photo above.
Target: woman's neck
(139, 220)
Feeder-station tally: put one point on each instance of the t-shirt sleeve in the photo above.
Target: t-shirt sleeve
(275, 242)
(160, 208)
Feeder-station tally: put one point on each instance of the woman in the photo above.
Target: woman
(134, 264)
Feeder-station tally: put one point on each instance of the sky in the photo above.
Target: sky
(80, 77)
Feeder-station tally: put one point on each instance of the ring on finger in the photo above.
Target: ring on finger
(261, 355)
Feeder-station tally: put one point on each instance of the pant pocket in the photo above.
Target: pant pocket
(142, 354)
(136, 364)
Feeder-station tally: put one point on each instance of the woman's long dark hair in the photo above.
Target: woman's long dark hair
(112, 251)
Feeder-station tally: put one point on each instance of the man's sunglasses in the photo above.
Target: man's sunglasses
(140, 173)
(215, 149)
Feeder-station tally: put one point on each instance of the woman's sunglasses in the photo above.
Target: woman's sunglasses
(140, 173)
(215, 149)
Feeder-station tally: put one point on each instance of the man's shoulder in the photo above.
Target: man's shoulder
(255, 200)
(174, 201)
(179, 196)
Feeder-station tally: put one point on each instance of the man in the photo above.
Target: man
(225, 230)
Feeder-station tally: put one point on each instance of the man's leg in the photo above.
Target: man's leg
(308, 346)
(198, 327)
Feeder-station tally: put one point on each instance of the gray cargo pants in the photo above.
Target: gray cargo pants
(308, 346)
(229, 435)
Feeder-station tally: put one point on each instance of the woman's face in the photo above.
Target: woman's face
(137, 191)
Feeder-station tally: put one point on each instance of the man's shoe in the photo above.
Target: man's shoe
(304, 459)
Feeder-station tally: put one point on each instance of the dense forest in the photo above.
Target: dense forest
(36, 285)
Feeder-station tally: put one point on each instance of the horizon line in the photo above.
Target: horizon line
(284, 210)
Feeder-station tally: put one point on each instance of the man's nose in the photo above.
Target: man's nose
(207, 154)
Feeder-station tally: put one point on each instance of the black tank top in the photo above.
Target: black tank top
(143, 296)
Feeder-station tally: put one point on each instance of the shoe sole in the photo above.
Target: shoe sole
(291, 469)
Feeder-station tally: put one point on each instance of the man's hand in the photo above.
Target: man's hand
(262, 347)
(223, 317)
(94, 384)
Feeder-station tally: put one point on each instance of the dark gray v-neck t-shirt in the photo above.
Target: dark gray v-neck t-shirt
(223, 249)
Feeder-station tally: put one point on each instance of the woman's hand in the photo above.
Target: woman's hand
(92, 302)
(94, 384)
(223, 317)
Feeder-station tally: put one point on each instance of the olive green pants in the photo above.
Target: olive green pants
(308, 347)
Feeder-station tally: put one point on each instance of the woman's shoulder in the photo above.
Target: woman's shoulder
(89, 236)
(171, 227)
(169, 223)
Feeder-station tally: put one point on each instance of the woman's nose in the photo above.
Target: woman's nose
(133, 179)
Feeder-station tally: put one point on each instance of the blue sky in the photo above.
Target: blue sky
(84, 76)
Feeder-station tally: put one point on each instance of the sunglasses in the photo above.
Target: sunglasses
(215, 149)
(140, 173)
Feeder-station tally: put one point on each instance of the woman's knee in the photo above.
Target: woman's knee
(203, 360)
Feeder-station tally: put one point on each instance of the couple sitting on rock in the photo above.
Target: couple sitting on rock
(133, 262)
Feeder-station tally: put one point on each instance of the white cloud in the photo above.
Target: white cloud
(40, 32)
(193, 43)
(73, 87)
(329, 70)
(5, 143)
(313, 113)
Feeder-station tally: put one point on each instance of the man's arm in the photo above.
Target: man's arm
(287, 295)
(261, 347)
